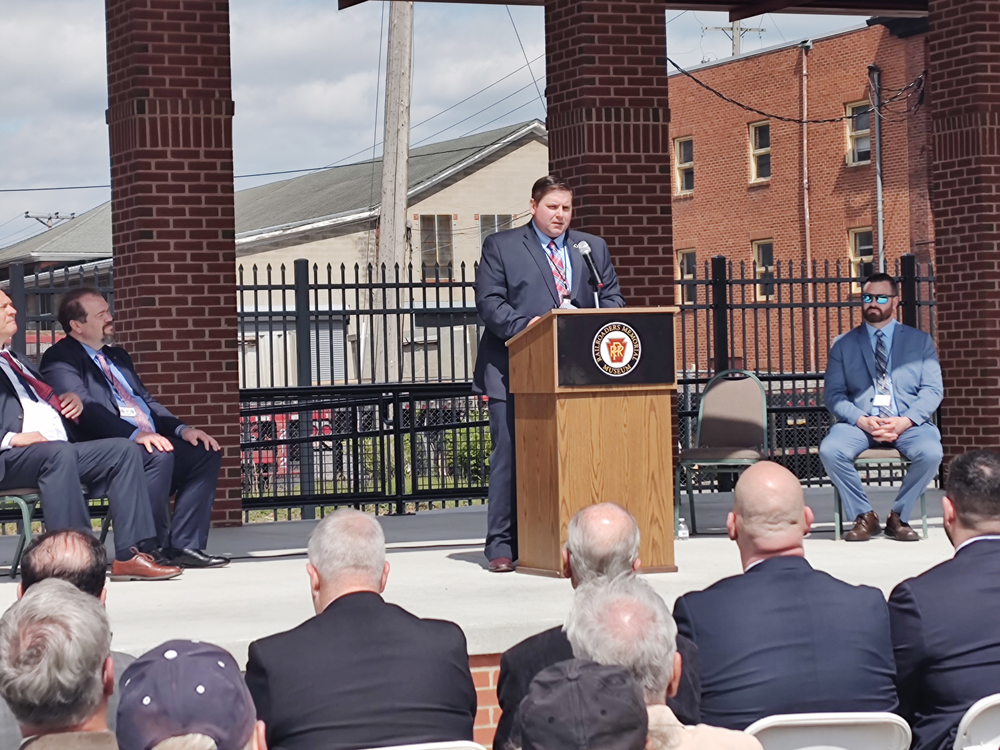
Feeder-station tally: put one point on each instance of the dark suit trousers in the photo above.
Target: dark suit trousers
(501, 513)
(192, 473)
(57, 468)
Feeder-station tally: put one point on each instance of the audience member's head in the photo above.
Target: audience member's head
(186, 695)
(769, 517)
(56, 672)
(68, 554)
(346, 555)
(580, 705)
(972, 496)
(602, 541)
(622, 621)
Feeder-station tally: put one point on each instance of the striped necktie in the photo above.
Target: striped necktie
(141, 420)
(558, 270)
(33, 385)
(881, 372)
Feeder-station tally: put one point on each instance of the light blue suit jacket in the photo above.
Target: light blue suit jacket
(916, 375)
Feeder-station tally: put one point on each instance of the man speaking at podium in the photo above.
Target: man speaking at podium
(524, 273)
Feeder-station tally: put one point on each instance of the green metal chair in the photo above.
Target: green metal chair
(26, 499)
(876, 458)
(731, 433)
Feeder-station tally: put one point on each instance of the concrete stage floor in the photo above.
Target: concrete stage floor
(438, 570)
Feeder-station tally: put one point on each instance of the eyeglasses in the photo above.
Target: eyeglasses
(882, 299)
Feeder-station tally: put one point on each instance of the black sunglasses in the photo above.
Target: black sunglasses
(882, 299)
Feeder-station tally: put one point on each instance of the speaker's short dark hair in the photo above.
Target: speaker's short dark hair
(73, 556)
(879, 278)
(545, 185)
(70, 307)
(973, 485)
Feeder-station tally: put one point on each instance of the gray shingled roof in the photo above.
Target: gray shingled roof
(280, 207)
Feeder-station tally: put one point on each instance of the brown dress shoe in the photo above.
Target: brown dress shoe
(142, 567)
(865, 526)
(901, 532)
(501, 565)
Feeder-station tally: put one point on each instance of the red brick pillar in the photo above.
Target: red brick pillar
(964, 96)
(170, 115)
(608, 132)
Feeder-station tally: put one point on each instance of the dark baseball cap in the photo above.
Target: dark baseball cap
(582, 705)
(184, 687)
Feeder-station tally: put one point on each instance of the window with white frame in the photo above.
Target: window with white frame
(861, 251)
(763, 266)
(435, 245)
(760, 151)
(493, 223)
(684, 159)
(687, 263)
(859, 133)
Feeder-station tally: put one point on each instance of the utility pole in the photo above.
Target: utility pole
(734, 32)
(391, 247)
(875, 77)
(49, 220)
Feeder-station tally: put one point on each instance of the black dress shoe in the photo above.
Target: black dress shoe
(194, 558)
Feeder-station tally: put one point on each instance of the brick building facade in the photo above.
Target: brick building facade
(738, 180)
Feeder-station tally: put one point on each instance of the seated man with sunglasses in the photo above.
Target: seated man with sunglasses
(883, 384)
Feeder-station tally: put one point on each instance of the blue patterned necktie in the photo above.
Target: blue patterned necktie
(881, 372)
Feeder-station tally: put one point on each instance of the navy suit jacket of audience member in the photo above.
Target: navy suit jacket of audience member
(946, 636)
(520, 663)
(784, 638)
(363, 674)
(68, 368)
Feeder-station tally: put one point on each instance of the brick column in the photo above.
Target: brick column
(170, 115)
(964, 96)
(608, 136)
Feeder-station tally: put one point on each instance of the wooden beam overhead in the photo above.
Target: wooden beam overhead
(760, 8)
(740, 10)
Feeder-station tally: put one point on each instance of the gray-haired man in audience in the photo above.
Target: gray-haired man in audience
(602, 541)
(78, 558)
(623, 622)
(56, 672)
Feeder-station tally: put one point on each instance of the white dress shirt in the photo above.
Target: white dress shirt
(38, 415)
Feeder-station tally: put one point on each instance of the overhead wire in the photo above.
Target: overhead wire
(521, 45)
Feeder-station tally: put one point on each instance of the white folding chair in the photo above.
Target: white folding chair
(980, 727)
(455, 745)
(856, 730)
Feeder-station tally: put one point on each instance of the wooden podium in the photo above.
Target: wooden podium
(592, 423)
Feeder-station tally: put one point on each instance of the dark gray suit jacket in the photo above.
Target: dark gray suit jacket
(783, 638)
(362, 674)
(514, 284)
(947, 642)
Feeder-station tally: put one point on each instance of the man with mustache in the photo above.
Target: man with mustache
(177, 458)
(883, 384)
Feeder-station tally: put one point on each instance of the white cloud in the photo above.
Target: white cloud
(304, 82)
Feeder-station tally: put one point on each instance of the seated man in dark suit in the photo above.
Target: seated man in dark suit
(944, 622)
(602, 541)
(361, 673)
(116, 404)
(36, 450)
(783, 638)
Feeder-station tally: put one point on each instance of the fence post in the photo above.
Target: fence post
(19, 299)
(720, 288)
(303, 356)
(908, 284)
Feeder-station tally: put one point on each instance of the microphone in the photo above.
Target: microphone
(588, 258)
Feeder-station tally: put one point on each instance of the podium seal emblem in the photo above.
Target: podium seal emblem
(616, 349)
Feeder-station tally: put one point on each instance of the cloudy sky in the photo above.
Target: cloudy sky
(304, 81)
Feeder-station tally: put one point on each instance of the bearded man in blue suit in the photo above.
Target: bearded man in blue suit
(883, 384)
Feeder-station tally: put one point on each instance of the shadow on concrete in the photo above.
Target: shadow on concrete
(476, 557)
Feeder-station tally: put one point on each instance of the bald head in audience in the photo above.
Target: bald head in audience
(602, 541)
(769, 516)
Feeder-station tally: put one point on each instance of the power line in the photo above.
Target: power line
(10, 220)
(498, 118)
(538, 90)
(917, 83)
(676, 17)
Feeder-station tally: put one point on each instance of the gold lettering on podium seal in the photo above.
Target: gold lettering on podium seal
(617, 349)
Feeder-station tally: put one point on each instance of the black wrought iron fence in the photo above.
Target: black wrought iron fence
(356, 383)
